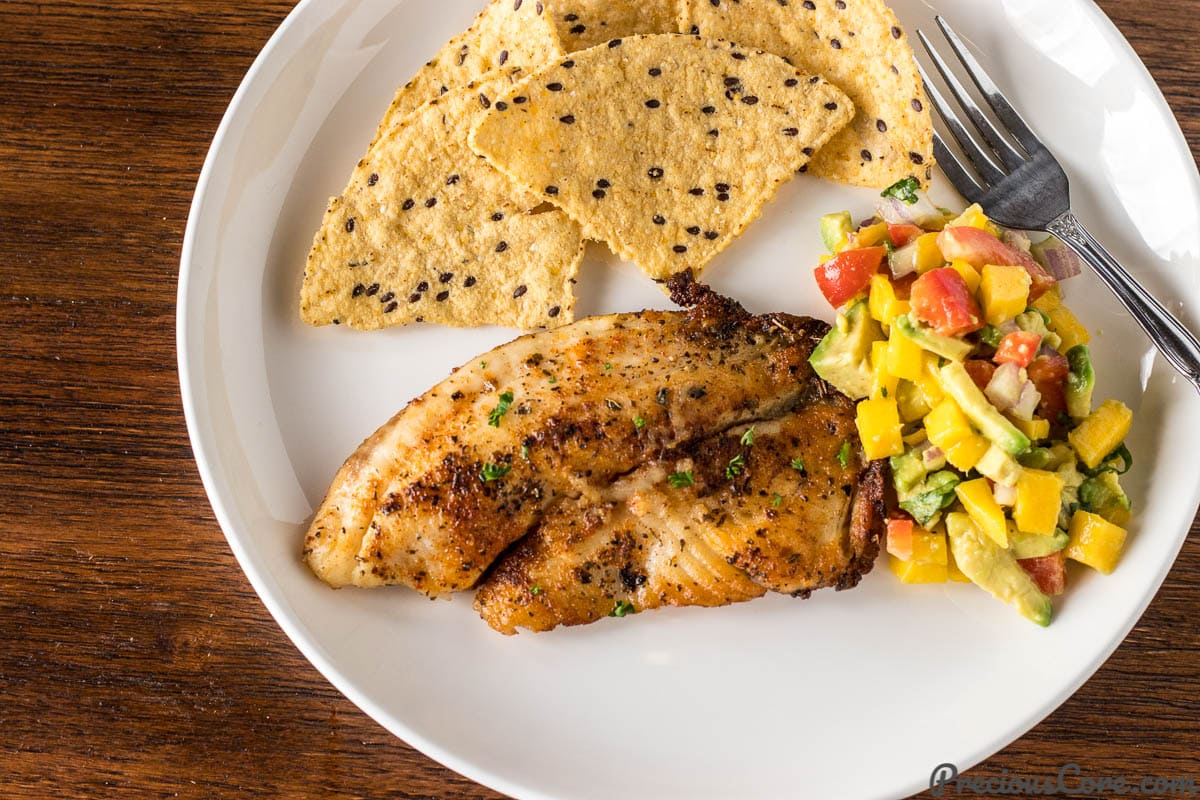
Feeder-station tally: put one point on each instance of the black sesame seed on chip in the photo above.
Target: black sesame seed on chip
(808, 151)
(373, 290)
(516, 4)
(791, 131)
(895, 32)
(503, 57)
(697, 191)
(501, 247)
(694, 230)
(655, 172)
(732, 81)
(483, 100)
(570, 17)
(599, 194)
(714, 133)
(453, 179)
(423, 286)
(373, 179)
(738, 56)
(652, 103)
(815, 79)
(750, 100)
(577, 29)
(917, 106)
(810, 5)
(836, 44)
(414, 297)
(710, 235)
(520, 290)
(357, 290)
(790, 82)
(554, 87)
(551, 190)
(445, 277)
(501, 105)
(499, 215)
(881, 126)
(695, 31)
(916, 158)
(519, 99)
(443, 296)
(567, 119)
(658, 219)
(655, 72)
(615, 43)
(603, 184)
(568, 63)
(350, 225)
(831, 106)
(539, 8)
(554, 311)
(866, 154)
(431, 202)
(722, 187)
(469, 281)
(680, 248)
(407, 204)
(803, 169)
(390, 307)
(714, 2)
(723, 196)
(387, 297)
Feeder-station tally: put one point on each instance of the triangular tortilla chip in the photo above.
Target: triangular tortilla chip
(665, 147)
(507, 34)
(860, 47)
(585, 23)
(427, 231)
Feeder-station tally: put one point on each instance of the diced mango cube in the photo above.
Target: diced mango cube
(969, 274)
(1094, 541)
(883, 382)
(1101, 432)
(917, 572)
(965, 455)
(929, 255)
(946, 425)
(1036, 428)
(1050, 299)
(878, 422)
(1068, 327)
(882, 301)
(981, 506)
(904, 356)
(1039, 498)
(1003, 292)
(871, 235)
(911, 403)
(973, 216)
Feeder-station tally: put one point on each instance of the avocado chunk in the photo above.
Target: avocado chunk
(843, 358)
(928, 499)
(908, 469)
(994, 569)
(983, 415)
(999, 466)
(1035, 321)
(1102, 494)
(835, 229)
(1081, 381)
(1035, 545)
(944, 346)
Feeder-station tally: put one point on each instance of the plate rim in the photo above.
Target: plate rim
(313, 652)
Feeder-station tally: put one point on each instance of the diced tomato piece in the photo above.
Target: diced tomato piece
(900, 538)
(978, 247)
(980, 371)
(1049, 375)
(1018, 347)
(904, 233)
(941, 299)
(1048, 572)
(848, 273)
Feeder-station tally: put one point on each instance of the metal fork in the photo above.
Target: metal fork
(1027, 189)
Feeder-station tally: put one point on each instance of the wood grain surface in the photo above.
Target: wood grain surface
(135, 660)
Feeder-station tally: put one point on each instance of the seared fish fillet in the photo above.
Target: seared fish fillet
(724, 539)
(590, 402)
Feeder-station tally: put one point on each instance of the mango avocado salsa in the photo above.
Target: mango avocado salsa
(976, 382)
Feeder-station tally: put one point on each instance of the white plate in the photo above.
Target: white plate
(851, 695)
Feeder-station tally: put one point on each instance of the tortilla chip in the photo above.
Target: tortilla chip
(586, 23)
(508, 33)
(427, 231)
(860, 47)
(665, 147)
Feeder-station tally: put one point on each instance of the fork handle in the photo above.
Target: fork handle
(1173, 340)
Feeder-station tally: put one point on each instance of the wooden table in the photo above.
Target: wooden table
(134, 658)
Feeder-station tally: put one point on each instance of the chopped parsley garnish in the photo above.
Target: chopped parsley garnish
(776, 500)
(501, 409)
(525, 452)
(535, 590)
(798, 464)
(622, 608)
(483, 365)
(903, 190)
(639, 422)
(883, 390)
(843, 455)
(607, 367)
(735, 466)
(681, 480)
(553, 379)
(494, 472)
(748, 437)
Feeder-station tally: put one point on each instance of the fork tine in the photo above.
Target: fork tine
(1011, 158)
(959, 177)
(983, 163)
(995, 98)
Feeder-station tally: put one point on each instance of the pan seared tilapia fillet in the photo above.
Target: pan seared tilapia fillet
(597, 407)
